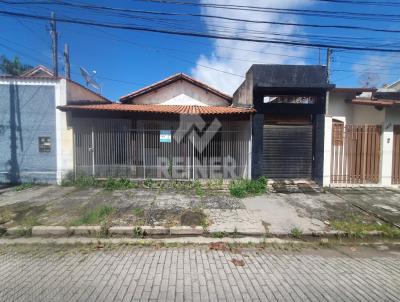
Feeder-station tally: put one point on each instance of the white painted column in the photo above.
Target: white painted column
(249, 157)
(64, 135)
(386, 154)
(326, 180)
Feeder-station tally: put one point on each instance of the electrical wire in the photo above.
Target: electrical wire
(196, 34)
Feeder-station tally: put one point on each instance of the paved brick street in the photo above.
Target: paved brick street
(196, 274)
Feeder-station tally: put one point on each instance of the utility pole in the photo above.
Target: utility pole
(54, 43)
(67, 62)
(319, 56)
(328, 63)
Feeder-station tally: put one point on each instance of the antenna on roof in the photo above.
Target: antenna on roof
(89, 78)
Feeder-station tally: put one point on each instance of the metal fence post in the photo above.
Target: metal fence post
(193, 152)
(93, 161)
(144, 156)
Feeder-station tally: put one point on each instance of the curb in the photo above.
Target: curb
(85, 230)
(176, 231)
(49, 231)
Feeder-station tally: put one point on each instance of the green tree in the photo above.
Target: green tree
(12, 67)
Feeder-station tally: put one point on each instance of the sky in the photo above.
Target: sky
(125, 60)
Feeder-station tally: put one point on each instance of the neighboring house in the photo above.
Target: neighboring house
(35, 143)
(362, 144)
(177, 128)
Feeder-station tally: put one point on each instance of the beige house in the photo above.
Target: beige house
(177, 128)
(362, 136)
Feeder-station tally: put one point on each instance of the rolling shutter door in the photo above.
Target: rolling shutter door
(287, 151)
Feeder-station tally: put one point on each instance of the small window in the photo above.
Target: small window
(44, 144)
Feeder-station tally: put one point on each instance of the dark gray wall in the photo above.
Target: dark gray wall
(300, 80)
(319, 139)
(289, 76)
(257, 148)
(27, 112)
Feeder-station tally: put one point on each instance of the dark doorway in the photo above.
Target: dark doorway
(287, 149)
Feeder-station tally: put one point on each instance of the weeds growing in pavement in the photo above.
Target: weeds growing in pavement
(138, 232)
(24, 232)
(95, 216)
(195, 186)
(24, 186)
(355, 227)
(296, 233)
(5, 215)
(247, 187)
(119, 184)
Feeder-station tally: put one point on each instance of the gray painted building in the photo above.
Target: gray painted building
(35, 140)
(27, 133)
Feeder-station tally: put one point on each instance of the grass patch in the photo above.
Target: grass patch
(30, 221)
(138, 232)
(296, 233)
(24, 232)
(219, 235)
(5, 215)
(91, 182)
(24, 186)
(247, 187)
(95, 216)
(355, 227)
(198, 188)
(138, 212)
(214, 184)
(81, 182)
(119, 184)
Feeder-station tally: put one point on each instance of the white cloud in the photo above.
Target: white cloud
(225, 52)
(376, 70)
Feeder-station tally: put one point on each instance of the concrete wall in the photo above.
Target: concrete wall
(181, 93)
(338, 108)
(319, 144)
(77, 93)
(392, 117)
(27, 113)
(368, 115)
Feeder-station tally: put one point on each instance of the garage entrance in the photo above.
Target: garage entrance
(287, 147)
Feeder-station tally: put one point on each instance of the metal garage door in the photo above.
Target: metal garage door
(287, 151)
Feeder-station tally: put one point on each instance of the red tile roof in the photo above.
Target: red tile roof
(169, 80)
(375, 102)
(168, 109)
(353, 89)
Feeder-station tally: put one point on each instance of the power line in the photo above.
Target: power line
(160, 13)
(358, 2)
(308, 12)
(327, 38)
(156, 48)
(196, 34)
(39, 61)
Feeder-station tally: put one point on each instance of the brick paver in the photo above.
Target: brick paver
(195, 274)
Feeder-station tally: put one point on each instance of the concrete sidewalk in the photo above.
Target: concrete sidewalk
(275, 213)
(383, 202)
